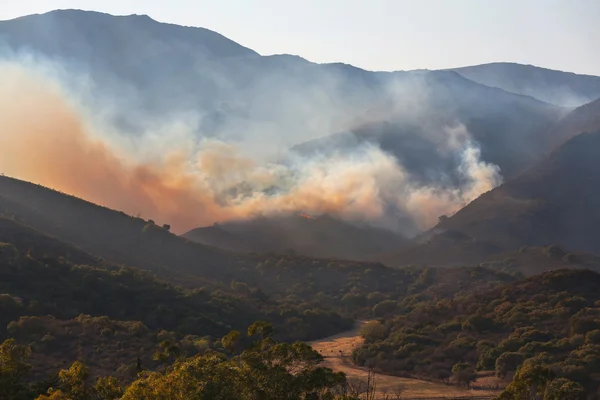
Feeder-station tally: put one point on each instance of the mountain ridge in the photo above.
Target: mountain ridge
(549, 85)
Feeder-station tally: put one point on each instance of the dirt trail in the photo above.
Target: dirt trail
(337, 350)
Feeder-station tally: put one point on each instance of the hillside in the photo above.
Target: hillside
(109, 234)
(322, 236)
(67, 305)
(553, 202)
(583, 119)
(554, 87)
(549, 321)
(511, 130)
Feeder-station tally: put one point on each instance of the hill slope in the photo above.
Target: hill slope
(554, 202)
(112, 235)
(511, 130)
(318, 237)
(550, 319)
(555, 87)
(583, 119)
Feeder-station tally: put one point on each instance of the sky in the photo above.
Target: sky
(382, 34)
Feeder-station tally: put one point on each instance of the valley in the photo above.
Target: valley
(183, 217)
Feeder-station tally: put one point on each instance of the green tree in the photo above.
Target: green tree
(262, 328)
(373, 331)
(265, 371)
(108, 388)
(168, 352)
(508, 362)
(564, 389)
(464, 374)
(232, 341)
(13, 370)
(529, 382)
(73, 381)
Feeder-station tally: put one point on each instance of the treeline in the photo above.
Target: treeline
(543, 333)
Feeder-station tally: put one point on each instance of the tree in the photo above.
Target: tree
(508, 362)
(73, 380)
(262, 328)
(592, 337)
(564, 389)
(266, 370)
(138, 366)
(464, 374)
(373, 331)
(478, 323)
(231, 341)
(13, 369)
(108, 388)
(398, 390)
(169, 351)
(54, 394)
(530, 381)
(166, 227)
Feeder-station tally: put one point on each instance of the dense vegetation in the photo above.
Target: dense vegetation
(252, 366)
(46, 296)
(110, 316)
(547, 325)
(59, 304)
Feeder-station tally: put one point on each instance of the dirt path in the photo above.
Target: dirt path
(338, 348)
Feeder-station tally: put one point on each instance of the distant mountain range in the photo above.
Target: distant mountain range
(146, 72)
(554, 87)
(142, 72)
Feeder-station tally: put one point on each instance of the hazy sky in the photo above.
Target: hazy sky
(382, 34)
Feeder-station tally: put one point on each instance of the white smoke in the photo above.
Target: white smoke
(173, 171)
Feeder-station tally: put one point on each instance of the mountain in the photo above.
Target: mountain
(511, 130)
(554, 87)
(552, 203)
(583, 119)
(144, 73)
(321, 236)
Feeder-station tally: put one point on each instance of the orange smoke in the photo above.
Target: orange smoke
(306, 216)
(43, 140)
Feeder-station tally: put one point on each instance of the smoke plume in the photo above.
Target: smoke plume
(48, 138)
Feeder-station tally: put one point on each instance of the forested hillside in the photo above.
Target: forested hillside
(545, 328)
